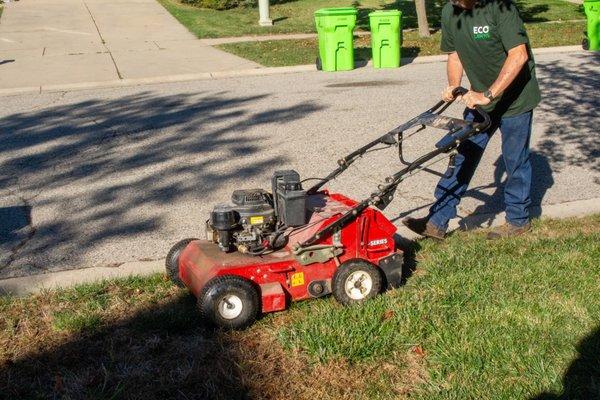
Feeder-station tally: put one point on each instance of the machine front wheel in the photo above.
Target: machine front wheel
(229, 302)
(356, 281)
(172, 261)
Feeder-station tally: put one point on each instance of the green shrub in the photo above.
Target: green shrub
(215, 4)
(227, 4)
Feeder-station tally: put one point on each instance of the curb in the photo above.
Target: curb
(34, 283)
(29, 284)
(570, 209)
(264, 71)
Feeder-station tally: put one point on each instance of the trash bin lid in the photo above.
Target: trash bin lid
(390, 13)
(336, 11)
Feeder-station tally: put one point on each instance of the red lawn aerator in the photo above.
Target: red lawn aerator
(265, 249)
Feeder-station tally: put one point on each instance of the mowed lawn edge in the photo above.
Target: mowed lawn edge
(515, 318)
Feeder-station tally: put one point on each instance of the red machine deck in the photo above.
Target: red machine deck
(279, 275)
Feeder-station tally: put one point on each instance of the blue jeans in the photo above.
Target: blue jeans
(516, 131)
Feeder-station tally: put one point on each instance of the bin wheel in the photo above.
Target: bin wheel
(318, 64)
(229, 302)
(356, 281)
(585, 44)
(172, 261)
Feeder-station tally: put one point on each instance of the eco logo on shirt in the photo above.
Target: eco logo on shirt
(481, 32)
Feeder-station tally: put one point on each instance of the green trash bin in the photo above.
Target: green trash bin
(335, 27)
(592, 10)
(385, 38)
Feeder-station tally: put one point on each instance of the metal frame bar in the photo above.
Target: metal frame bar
(460, 130)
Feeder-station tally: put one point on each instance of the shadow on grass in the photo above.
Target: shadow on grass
(530, 13)
(410, 248)
(159, 353)
(409, 15)
(581, 381)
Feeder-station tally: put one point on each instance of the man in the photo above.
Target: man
(487, 40)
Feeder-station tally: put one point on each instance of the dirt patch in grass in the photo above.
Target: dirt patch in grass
(142, 340)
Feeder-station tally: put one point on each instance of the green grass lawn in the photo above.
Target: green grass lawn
(277, 53)
(512, 319)
(297, 16)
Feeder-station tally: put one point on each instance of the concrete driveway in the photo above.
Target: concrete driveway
(56, 42)
(100, 178)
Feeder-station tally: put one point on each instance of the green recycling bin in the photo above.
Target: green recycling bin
(592, 10)
(385, 38)
(335, 27)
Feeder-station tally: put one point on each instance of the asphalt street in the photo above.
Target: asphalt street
(103, 177)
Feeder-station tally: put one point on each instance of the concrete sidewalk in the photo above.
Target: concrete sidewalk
(53, 42)
(238, 73)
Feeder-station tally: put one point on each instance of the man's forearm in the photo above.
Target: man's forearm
(454, 70)
(517, 57)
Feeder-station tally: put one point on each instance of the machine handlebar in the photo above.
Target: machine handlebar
(461, 91)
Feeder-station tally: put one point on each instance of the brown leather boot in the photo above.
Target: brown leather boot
(508, 230)
(423, 227)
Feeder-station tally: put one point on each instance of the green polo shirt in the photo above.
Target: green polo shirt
(482, 37)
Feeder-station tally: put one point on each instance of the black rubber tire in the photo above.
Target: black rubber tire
(318, 64)
(219, 287)
(343, 273)
(172, 261)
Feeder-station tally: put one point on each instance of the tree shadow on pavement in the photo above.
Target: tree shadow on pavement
(492, 204)
(570, 104)
(13, 219)
(581, 380)
(100, 173)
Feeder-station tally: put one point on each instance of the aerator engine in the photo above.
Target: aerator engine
(255, 219)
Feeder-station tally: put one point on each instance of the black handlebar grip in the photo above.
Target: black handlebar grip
(459, 91)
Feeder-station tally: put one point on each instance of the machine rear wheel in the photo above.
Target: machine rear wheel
(356, 281)
(229, 302)
(172, 261)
